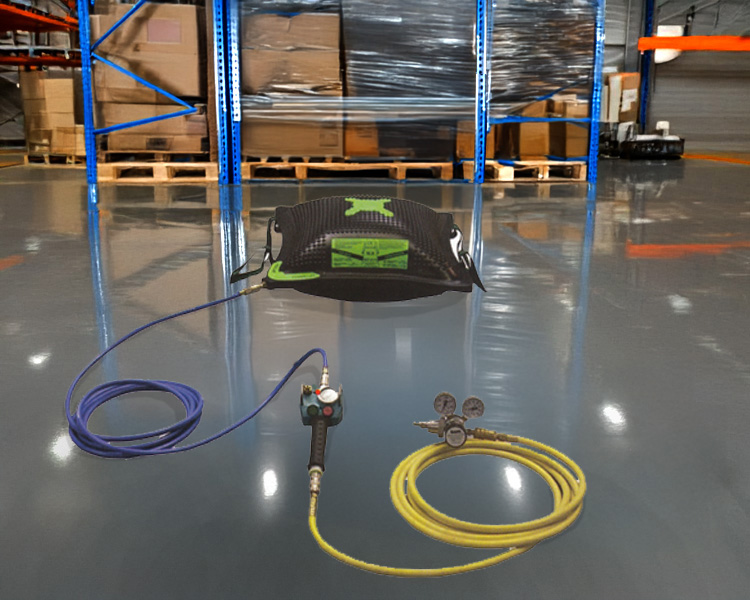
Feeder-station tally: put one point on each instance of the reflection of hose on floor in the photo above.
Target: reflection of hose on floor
(564, 477)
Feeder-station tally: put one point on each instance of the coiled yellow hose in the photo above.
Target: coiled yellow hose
(564, 477)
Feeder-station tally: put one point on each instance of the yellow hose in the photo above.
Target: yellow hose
(564, 477)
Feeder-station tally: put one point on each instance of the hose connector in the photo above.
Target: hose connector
(487, 434)
(324, 378)
(253, 288)
(316, 474)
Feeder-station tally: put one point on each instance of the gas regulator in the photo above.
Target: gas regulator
(451, 426)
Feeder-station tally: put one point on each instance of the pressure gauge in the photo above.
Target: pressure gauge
(455, 435)
(445, 403)
(472, 407)
(327, 395)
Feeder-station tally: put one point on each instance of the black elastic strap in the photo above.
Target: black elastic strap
(469, 264)
(237, 275)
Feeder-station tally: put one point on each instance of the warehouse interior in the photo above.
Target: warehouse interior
(595, 160)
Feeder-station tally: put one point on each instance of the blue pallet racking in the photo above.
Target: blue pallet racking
(227, 80)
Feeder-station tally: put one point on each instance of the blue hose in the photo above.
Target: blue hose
(160, 441)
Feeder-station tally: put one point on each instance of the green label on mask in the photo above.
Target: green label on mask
(369, 253)
(368, 205)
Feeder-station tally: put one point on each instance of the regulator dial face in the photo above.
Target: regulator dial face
(445, 403)
(455, 436)
(472, 407)
(328, 395)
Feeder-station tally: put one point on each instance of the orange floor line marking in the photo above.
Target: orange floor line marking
(729, 159)
(10, 261)
(678, 250)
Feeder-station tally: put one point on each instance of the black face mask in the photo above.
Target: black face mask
(367, 249)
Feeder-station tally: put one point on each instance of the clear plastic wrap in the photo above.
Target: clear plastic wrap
(409, 67)
(408, 48)
(540, 47)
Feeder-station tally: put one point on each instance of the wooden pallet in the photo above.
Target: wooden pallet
(326, 168)
(529, 170)
(35, 158)
(110, 156)
(156, 172)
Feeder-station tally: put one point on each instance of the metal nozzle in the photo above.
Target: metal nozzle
(431, 426)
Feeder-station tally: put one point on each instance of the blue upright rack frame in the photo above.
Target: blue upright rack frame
(483, 121)
(228, 120)
(647, 60)
(227, 79)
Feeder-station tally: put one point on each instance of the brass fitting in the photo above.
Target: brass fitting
(253, 288)
(487, 434)
(316, 474)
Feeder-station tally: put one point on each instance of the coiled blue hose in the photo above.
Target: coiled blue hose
(160, 441)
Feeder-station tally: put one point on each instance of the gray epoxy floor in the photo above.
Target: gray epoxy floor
(624, 344)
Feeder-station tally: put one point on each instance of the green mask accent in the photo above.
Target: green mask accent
(277, 274)
(369, 253)
(364, 205)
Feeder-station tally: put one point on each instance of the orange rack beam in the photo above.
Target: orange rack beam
(14, 17)
(40, 61)
(715, 43)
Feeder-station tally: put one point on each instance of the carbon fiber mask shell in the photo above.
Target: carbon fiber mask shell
(369, 249)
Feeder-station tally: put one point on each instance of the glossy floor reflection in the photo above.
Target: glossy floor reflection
(618, 336)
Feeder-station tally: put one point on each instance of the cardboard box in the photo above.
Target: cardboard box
(296, 71)
(160, 43)
(604, 115)
(110, 113)
(48, 104)
(32, 84)
(361, 139)
(417, 138)
(535, 109)
(575, 109)
(271, 136)
(523, 140)
(68, 140)
(136, 142)
(568, 140)
(557, 102)
(54, 89)
(623, 97)
(465, 140)
(302, 31)
(45, 120)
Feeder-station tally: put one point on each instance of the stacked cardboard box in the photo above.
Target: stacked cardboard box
(162, 45)
(49, 112)
(465, 141)
(289, 54)
(622, 98)
(284, 56)
(534, 141)
(569, 140)
(186, 133)
(525, 140)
